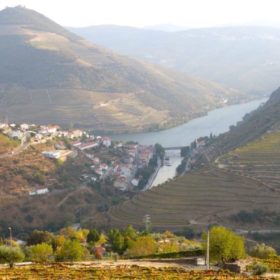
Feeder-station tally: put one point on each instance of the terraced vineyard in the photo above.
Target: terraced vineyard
(201, 197)
(259, 160)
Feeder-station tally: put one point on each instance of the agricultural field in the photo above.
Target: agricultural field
(65, 272)
(201, 197)
(259, 160)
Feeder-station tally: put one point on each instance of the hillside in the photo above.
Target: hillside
(238, 187)
(245, 58)
(68, 199)
(49, 75)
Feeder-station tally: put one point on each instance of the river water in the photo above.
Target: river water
(217, 121)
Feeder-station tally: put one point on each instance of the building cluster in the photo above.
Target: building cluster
(121, 171)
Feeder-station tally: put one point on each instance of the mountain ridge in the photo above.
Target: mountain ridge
(242, 57)
(83, 84)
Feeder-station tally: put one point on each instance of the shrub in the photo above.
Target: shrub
(93, 236)
(71, 250)
(38, 237)
(41, 253)
(143, 246)
(263, 251)
(259, 269)
(10, 255)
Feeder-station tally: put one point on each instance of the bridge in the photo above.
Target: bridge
(174, 148)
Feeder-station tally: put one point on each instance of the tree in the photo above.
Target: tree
(10, 255)
(159, 151)
(143, 246)
(116, 240)
(263, 251)
(38, 237)
(225, 245)
(93, 236)
(71, 250)
(41, 253)
(130, 235)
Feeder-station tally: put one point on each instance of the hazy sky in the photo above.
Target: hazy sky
(189, 13)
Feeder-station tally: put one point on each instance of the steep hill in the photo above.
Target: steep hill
(239, 186)
(48, 74)
(245, 58)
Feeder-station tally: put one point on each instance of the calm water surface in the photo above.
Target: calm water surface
(217, 121)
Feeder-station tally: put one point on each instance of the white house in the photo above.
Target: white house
(107, 142)
(52, 154)
(16, 134)
(24, 126)
(39, 192)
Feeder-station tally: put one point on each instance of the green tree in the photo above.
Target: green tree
(130, 235)
(143, 246)
(263, 251)
(38, 237)
(71, 250)
(93, 236)
(225, 245)
(116, 240)
(10, 255)
(41, 253)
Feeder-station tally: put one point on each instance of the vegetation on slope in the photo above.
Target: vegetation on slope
(206, 196)
(243, 57)
(7, 144)
(85, 85)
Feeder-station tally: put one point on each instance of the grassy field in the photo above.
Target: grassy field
(55, 272)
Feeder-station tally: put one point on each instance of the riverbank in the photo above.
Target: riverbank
(216, 122)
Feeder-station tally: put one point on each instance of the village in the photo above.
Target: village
(114, 161)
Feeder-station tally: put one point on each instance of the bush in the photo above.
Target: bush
(259, 269)
(38, 237)
(71, 250)
(93, 236)
(41, 253)
(10, 255)
(263, 251)
(143, 246)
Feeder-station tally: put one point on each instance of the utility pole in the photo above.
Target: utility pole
(11, 236)
(208, 250)
(147, 222)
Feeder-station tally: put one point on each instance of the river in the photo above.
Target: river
(217, 121)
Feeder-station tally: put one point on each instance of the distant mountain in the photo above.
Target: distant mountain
(246, 58)
(48, 74)
(166, 27)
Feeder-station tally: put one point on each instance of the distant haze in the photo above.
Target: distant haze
(140, 13)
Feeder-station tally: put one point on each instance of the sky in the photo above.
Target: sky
(139, 13)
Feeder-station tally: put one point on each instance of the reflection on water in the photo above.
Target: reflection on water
(168, 171)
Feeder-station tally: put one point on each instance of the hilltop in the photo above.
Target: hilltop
(50, 75)
(243, 57)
